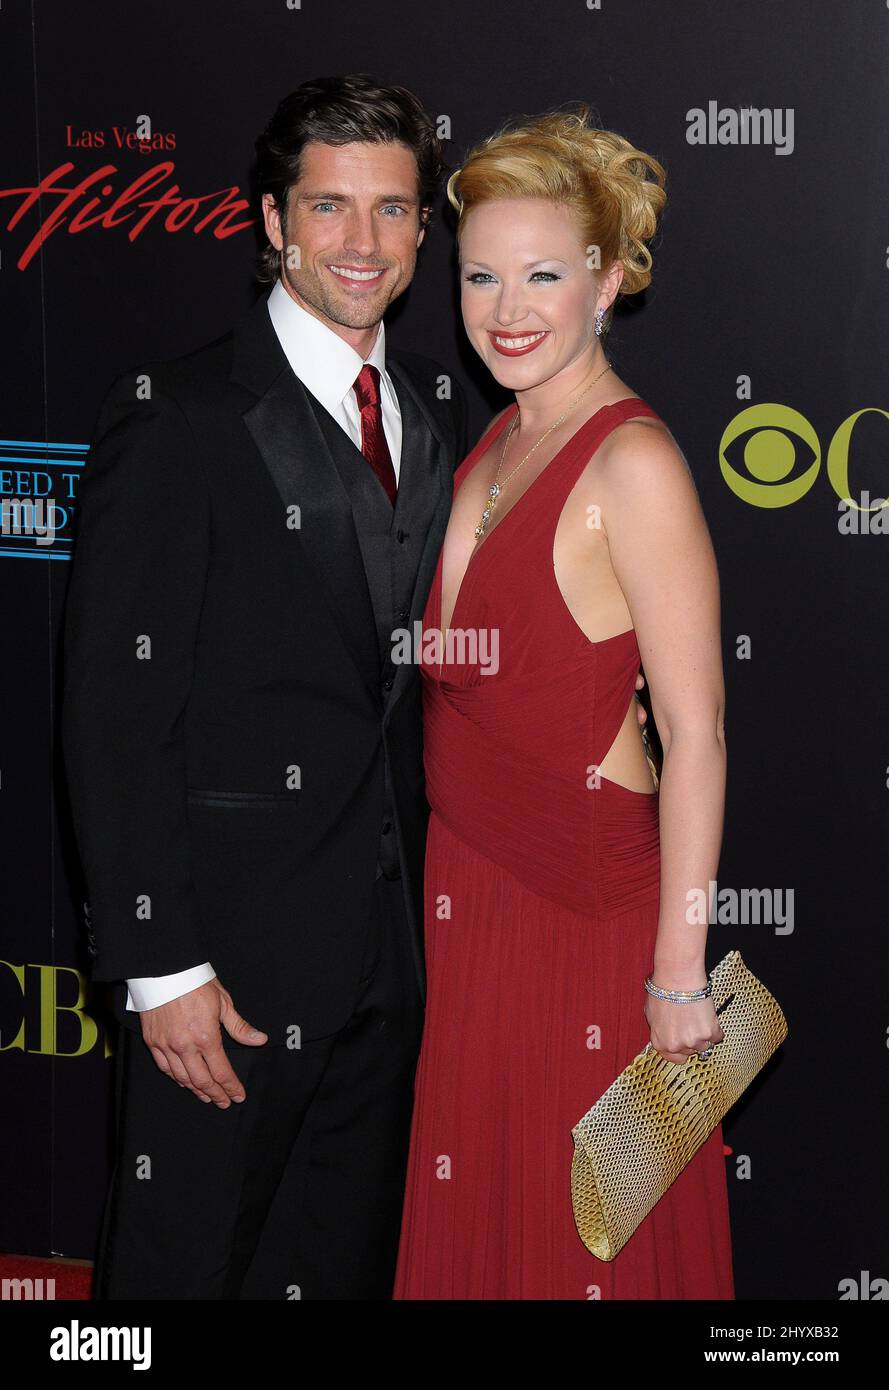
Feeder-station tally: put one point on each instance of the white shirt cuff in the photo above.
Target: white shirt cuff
(150, 992)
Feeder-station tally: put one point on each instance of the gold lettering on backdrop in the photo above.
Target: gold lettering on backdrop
(19, 1040)
(49, 1008)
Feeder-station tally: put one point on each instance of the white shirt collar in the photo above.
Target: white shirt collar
(322, 360)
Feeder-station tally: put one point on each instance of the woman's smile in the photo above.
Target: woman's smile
(516, 344)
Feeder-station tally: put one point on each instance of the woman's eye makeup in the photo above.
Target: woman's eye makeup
(541, 277)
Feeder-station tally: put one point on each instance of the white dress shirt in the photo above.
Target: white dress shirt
(327, 366)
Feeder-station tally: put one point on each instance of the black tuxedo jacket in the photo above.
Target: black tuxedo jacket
(233, 739)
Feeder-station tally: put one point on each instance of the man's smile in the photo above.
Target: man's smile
(358, 277)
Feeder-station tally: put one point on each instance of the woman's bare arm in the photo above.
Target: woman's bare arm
(663, 559)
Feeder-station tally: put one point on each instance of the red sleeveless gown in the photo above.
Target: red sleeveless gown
(541, 910)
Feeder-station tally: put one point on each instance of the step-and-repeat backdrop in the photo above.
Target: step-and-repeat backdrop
(128, 232)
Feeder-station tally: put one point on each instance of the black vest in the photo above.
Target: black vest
(391, 542)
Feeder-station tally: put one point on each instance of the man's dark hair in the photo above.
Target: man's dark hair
(338, 111)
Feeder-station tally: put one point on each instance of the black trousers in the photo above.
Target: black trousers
(296, 1192)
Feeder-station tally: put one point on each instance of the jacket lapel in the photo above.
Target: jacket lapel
(284, 428)
(286, 433)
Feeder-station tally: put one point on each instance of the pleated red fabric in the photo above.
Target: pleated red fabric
(541, 909)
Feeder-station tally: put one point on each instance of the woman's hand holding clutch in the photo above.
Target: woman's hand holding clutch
(678, 1031)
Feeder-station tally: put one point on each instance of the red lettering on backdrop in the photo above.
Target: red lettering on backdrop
(96, 210)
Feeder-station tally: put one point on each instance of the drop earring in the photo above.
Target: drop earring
(600, 318)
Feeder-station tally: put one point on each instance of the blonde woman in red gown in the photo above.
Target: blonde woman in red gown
(557, 872)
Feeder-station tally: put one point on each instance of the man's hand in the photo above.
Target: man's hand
(185, 1040)
(641, 713)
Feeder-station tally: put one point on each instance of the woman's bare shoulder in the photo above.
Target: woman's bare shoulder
(640, 448)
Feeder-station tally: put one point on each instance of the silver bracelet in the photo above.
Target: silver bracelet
(679, 996)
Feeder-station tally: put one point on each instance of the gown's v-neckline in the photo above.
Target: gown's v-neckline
(495, 435)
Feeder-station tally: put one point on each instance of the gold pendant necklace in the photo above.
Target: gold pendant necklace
(497, 486)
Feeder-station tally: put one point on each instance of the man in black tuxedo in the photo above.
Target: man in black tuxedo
(244, 759)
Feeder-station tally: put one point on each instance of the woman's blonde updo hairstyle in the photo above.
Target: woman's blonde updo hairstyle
(615, 191)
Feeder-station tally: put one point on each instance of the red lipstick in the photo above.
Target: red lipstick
(539, 336)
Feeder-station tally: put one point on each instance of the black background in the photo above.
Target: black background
(767, 267)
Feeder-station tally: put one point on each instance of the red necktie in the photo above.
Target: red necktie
(373, 440)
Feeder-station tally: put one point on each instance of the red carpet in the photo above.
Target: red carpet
(73, 1278)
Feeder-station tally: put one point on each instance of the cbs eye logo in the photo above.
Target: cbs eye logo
(769, 456)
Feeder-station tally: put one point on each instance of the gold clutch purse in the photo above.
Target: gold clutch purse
(638, 1137)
